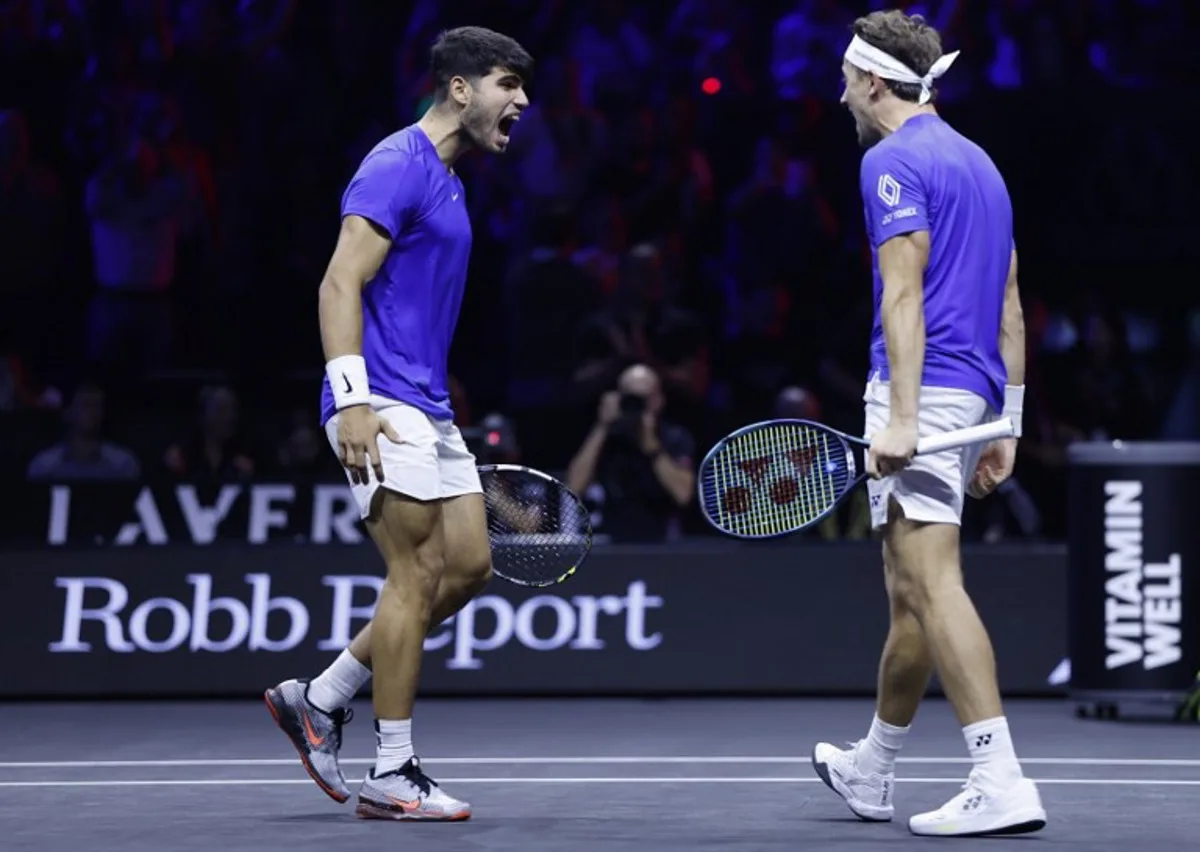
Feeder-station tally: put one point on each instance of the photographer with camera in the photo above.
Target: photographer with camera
(641, 463)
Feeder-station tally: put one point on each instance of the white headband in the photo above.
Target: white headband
(867, 57)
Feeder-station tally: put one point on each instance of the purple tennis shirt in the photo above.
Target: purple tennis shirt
(926, 176)
(411, 306)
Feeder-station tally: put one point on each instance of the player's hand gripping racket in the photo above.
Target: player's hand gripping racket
(781, 476)
(539, 530)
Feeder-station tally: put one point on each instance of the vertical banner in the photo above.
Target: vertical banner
(1134, 569)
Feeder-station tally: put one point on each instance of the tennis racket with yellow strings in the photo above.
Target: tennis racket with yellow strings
(540, 532)
(778, 477)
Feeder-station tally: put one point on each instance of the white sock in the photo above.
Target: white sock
(394, 739)
(991, 748)
(878, 752)
(334, 688)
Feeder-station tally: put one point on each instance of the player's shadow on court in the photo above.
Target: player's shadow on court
(835, 819)
(347, 817)
(330, 817)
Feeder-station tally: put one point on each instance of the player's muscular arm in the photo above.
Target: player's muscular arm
(1012, 328)
(996, 462)
(902, 262)
(360, 250)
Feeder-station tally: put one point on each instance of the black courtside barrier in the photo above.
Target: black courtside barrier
(153, 592)
(1134, 572)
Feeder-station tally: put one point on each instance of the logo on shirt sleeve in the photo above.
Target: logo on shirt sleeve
(888, 190)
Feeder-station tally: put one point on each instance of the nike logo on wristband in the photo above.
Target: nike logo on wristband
(347, 381)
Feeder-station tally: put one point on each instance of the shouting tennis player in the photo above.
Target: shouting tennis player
(389, 303)
(947, 352)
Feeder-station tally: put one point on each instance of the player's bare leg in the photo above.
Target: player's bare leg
(314, 712)
(468, 555)
(928, 581)
(906, 666)
(409, 534)
(864, 774)
(466, 572)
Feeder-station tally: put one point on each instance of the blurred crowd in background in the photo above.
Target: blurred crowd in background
(682, 194)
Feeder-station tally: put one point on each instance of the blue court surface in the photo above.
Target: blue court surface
(570, 776)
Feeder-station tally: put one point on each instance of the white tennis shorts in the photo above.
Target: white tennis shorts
(931, 489)
(431, 462)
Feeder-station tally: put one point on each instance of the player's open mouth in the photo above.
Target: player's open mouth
(506, 124)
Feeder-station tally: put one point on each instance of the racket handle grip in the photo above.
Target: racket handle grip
(997, 429)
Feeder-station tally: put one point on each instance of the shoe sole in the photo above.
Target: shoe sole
(822, 770)
(340, 798)
(1035, 822)
(371, 810)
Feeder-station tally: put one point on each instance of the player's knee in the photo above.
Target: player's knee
(480, 568)
(911, 589)
(474, 572)
(905, 594)
(921, 589)
(900, 596)
(480, 577)
(417, 576)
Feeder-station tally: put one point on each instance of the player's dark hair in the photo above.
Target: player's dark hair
(907, 38)
(475, 52)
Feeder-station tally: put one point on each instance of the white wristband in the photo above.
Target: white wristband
(1014, 406)
(348, 381)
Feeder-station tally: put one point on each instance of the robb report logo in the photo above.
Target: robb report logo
(97, 611)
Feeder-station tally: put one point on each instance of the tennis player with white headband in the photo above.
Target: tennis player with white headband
(947, 352)
(867, 57)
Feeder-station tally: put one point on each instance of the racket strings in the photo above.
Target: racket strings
(539, 531)
(775, 479)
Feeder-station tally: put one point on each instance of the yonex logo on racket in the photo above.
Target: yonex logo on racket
(783, 490)
(888, 190)
(781, 476)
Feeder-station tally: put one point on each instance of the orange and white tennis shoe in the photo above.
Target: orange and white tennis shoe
(408, 793)
(317, 735)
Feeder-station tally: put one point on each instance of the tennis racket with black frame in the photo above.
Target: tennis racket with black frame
(778, 477)
(540, 532)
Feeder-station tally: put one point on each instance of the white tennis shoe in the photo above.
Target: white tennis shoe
(972, 813)
(869, 796)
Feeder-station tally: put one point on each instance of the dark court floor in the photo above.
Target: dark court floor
(570, 776)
